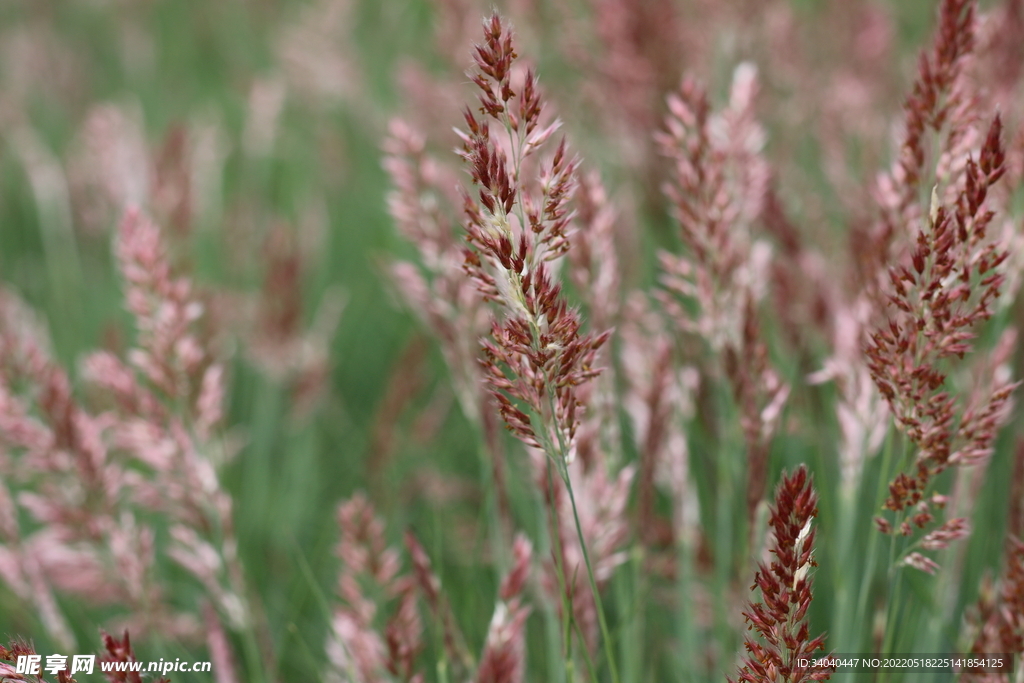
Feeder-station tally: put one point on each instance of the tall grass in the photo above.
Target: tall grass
(688, 355)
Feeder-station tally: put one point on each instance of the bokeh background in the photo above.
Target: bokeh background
(253, 133)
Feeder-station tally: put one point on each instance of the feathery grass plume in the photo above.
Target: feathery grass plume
(120, 651)
(861, 412)
(855, 67)
(58, 465)
(997, 65)
(636, 55)
(315, 56)
(537, 354)
(424, 205)
(718, 191)
(804, 292)
(23, 354)
(94, 482)
(173, 186)
(113, 167)
(1001, 48)
(168, 355)
(518, 231)
(947, 289)
(594, 267)
(222, 656)
(1000, 622)
(639, 59)
(658, 399)
(116, 651)
(504, 656)
(760, 394)
(520, 223)
(276, 338)
(369, 576)
(9, 658)
(785, 585)
(430, 587)
(933, 105)
(168, 399)
(944, 104)
(938, 289)
(942, 114)
(110, 167)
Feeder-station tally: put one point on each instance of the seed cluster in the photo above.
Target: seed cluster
(785, 584)
(537, 355)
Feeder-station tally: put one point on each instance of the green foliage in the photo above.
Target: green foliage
(387, 421)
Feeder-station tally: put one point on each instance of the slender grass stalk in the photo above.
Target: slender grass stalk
(568, 614)
(558, 454)
(587, 659)
(894, 606)
(868, 571)
(844, 584)
(687, 659)
(632, 647)
(724, 524)
(605, 635)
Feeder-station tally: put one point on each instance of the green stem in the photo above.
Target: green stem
(894, 608)
(561, 453)
(567, 610)
(254, 662)
(587, 659)
(684, 624)
(869, 568)
(609, 650)
(724, 520)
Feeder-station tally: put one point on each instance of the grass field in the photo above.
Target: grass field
(238, 321)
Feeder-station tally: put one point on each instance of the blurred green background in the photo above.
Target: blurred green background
(326, 73)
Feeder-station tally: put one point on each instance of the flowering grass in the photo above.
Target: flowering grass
(431, 341)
